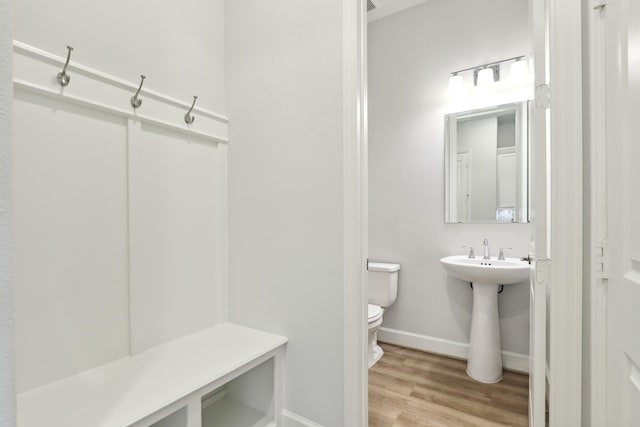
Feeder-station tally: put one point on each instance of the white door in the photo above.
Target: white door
(539, 217)
(464, 189)
(507, 179)
(622, 45)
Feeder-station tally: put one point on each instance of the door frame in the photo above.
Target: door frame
(595, 322)
(566, 211)
(565, 70)
(355, 219)
(7, 247)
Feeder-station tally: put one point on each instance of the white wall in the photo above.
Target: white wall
(115, 244)
(284, 95)
(410, 57)
(173, 241)
(177, 45)
(71, 240)
(7, 345)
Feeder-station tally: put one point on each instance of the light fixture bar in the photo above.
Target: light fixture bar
(515, 58)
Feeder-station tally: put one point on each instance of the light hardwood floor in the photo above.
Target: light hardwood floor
(410, 388)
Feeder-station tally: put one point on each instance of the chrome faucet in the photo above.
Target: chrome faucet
(471, 254)
(486, 249)
(501, 255)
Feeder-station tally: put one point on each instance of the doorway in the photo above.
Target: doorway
(564, 124)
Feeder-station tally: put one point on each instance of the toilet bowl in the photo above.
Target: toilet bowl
(374, 353)
(383, 291)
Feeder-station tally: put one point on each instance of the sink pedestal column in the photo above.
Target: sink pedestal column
(485, 351)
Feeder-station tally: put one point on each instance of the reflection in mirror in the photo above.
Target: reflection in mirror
(486, 165)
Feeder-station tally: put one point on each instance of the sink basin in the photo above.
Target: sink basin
(484, 361)
(493, 271)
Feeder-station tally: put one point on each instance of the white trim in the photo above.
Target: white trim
(291, 419)
(278, 386)
(134, 131)
(522, 151)
(29, 50)
(459, 350)
(539, 215)
(355, 213)
(506, 150)
(222, 236)
(565, 62)
(191, 367)
(386, 8)
(19, 84)
(34, 72)
(450, 164)
(537, 349)
(7, 227)
(596, 396)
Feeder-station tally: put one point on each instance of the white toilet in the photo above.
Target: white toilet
(383, 291)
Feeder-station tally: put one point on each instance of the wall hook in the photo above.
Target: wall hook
(135, 101)
(62, 77)
(188, 118)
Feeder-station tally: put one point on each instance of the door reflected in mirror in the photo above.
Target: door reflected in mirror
(486, 165)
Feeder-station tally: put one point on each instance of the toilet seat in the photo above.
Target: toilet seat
(374, 313)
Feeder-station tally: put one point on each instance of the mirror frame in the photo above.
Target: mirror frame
(522, 110)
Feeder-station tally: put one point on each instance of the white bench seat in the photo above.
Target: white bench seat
(129, 391)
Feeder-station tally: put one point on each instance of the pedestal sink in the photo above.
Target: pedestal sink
(485, 351)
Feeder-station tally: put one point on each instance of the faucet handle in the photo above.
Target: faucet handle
(471, 253)
(501, 255)
(529, 258)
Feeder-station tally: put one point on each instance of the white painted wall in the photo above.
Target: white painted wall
(177, 45)
(71, 240)
(284, 94)
(173, 209)
(411, 55)
(7, 342)
(87, 240)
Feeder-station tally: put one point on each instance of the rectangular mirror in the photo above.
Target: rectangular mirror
(486, 165)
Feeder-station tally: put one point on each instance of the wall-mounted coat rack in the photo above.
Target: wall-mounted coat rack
(62, 77)
(188, 118)
(100, 91)
(135, 100)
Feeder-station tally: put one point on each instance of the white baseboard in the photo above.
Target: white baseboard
(513, 361)
(291, 419)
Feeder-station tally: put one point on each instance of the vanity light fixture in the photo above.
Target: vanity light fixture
(486, 74)
(519, 71)
(485, 77)
(456, 83)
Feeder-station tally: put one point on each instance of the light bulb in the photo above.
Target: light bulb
(485, 77)
(456, 83)
(519, 71)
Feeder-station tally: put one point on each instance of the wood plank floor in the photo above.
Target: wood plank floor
(410, 388)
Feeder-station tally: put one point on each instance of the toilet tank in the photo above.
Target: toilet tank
(383, 283)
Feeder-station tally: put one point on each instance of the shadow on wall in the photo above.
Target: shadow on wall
(460, 300)
(513, 302)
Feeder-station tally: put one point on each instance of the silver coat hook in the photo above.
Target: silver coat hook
(62, 77)
(135, 101)
(188, 118)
